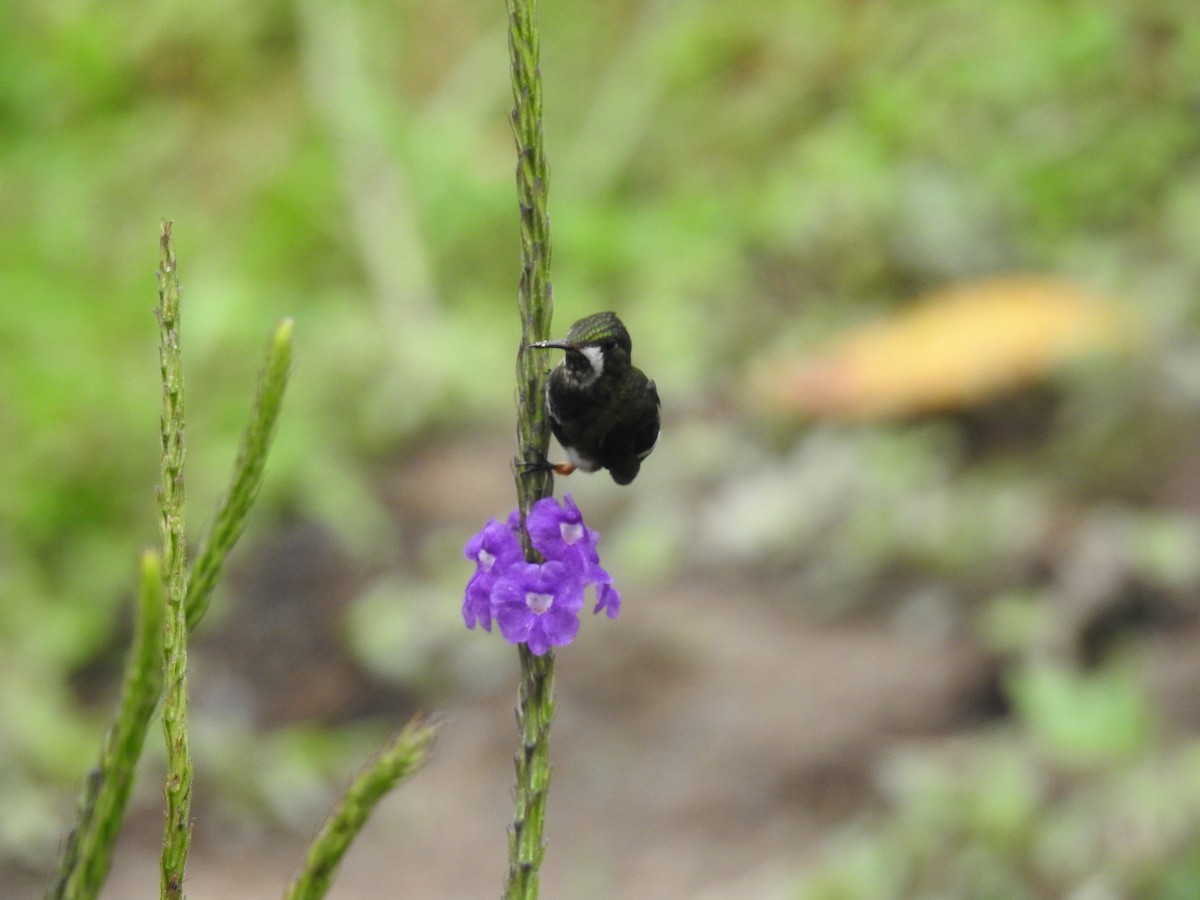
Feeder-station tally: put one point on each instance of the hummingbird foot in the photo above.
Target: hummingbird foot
(541, 464)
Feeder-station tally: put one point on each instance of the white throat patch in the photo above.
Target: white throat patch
(595, 356)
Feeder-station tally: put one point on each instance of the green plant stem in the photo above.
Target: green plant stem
(407, 753)
(535, 699)
(87, 855)
(535, 295)
(87, 852)
(247, 476)
(535, 710)
(177, 832)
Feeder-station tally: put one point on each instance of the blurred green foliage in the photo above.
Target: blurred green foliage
(728, 177)
(1019, 814)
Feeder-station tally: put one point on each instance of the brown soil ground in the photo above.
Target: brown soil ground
(704, 754)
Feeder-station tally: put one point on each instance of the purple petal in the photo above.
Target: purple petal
(514, 624)
(560, 626)
(543, 525)
(477, 604)
(559, 533)
(608, 598)
(571, 509)
(538, 604)
(495, 547)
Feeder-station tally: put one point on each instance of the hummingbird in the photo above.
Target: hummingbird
(602, 408)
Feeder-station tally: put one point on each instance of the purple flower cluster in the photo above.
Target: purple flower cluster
(537, 603)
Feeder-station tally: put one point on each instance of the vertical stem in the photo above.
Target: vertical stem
(535, 296)
(535, 710)
(177, 833)
(535, 700)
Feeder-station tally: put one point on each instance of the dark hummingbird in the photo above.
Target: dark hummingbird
(602, 408)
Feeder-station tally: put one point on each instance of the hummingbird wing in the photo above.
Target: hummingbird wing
(629, 444)
(646, 436)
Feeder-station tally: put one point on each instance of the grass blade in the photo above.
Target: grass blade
(87, 856)
(247, 476)
(407, 752)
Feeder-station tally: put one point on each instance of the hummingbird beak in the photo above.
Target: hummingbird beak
(577, 356)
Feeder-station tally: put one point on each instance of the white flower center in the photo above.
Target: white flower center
(486, 560)
(539, 603)
(572, 533)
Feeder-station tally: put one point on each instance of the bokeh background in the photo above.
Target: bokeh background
(911, 581)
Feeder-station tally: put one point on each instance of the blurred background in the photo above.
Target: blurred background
(912, 581)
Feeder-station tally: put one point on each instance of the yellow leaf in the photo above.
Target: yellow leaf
(950, 350)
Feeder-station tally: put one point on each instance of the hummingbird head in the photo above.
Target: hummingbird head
(595, 345)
